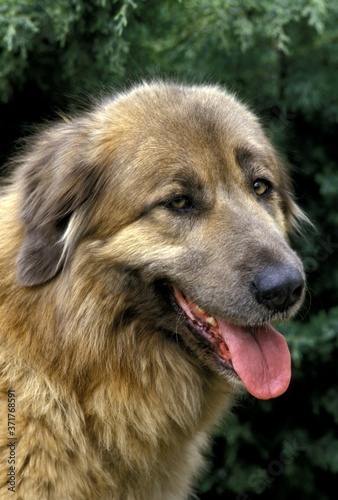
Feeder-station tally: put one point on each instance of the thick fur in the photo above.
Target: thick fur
(115, 398)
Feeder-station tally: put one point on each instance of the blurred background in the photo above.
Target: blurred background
(281, 58)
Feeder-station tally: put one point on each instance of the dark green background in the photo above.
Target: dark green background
(282, 59)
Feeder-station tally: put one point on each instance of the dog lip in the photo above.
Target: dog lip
(204, 328)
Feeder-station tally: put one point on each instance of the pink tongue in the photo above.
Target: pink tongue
(260, 357)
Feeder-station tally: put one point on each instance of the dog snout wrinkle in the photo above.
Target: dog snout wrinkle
(278, 287)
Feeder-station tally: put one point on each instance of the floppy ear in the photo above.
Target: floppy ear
(40, 256)
(56, 181)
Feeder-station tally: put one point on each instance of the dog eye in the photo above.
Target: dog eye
(262, 187)
(180, 203)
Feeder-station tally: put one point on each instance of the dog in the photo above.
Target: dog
(144, 254)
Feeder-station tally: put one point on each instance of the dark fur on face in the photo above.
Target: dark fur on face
(136, 237)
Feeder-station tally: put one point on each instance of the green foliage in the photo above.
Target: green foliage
(282, 58)
(313, 341)
(222, 39)
(70, 44)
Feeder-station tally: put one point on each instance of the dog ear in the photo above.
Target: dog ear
(56, 181)
(296, 219)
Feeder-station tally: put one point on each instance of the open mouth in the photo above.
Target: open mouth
(258, 355)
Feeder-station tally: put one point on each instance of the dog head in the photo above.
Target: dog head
(180, 188)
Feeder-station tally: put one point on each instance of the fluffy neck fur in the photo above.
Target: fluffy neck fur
(109, 405)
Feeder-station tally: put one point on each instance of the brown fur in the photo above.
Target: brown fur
(115, 398)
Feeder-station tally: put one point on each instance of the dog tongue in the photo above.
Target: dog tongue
(260, 357)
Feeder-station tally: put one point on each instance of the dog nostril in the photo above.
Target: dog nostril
(278, 287)
(297, 292)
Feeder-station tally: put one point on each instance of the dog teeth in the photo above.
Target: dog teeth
(208, 319)
(211, 320)
(199, 309)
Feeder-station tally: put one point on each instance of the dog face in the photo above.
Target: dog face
(178, 191)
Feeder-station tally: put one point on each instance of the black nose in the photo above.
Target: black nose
(279, 286)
